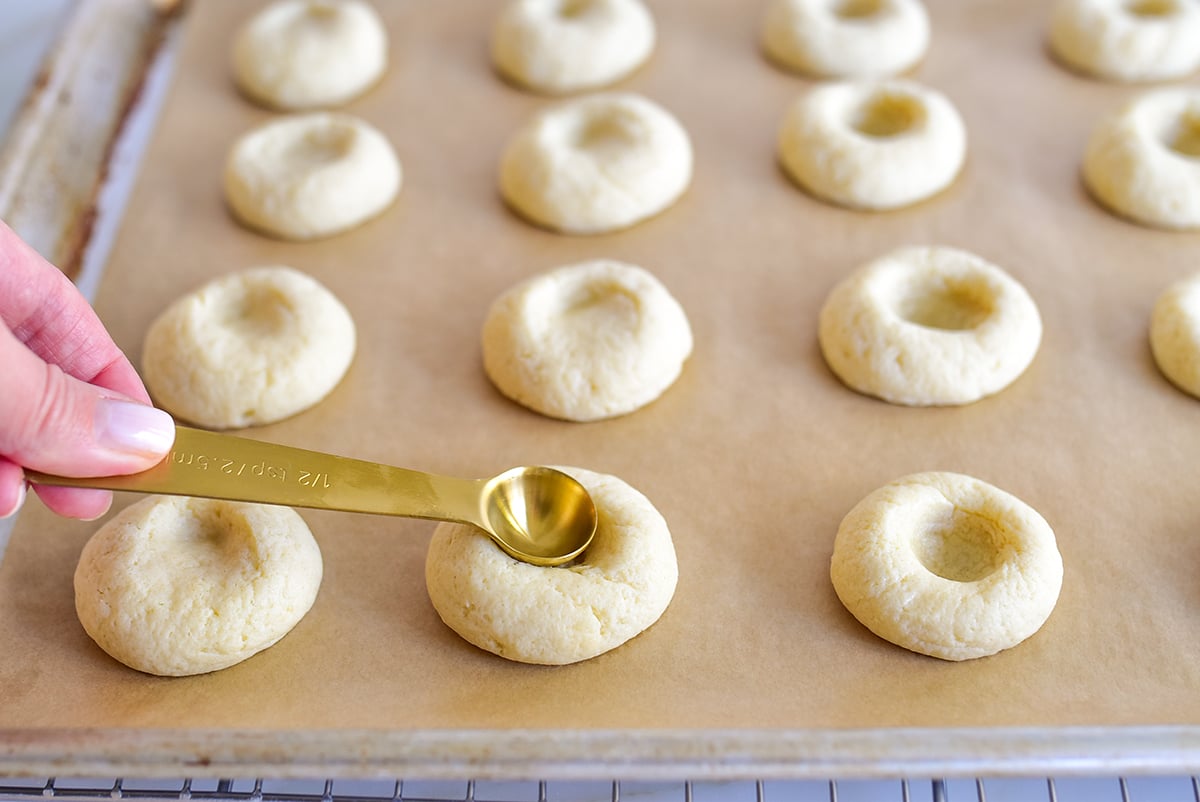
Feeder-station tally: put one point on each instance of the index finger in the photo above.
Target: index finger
(46, 312)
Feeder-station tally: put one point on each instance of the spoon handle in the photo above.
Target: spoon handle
(223, 466)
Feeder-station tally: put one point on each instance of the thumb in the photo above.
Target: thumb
(53, 422)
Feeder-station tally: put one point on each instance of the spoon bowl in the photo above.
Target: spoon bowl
(539, 515)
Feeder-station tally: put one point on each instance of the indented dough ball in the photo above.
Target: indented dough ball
(926, 326)
(248, 348)
(177, 586)
(621, 584)
(1175, 334)
(872, 145)
(1127, 40)
(560, 46)
(307, 54)
(597, 163)
(310, 176)
(947, 565)
(846, 38)
(586, 341)
(1143, 162)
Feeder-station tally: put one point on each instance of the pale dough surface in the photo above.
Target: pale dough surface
(586, 341)
(850, 39)
(1143, 162)
(1127, 40)
(621, 584)
(872, 145)
(311, 175)
(251, 347)
(597, 163)
(308, 54)
(562, 46)
(177, 586)
(929, 326)
(947, 565)
(1175, 334)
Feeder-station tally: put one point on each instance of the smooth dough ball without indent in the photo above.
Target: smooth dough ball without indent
(846, 38)
(307, 54)
(1175, 334)
(597, 163)
(249, 348)
(561, 46)
(872, 145)
(311, 176)
(620, 585)
(1144, 161)
(1127, 40)
(177, 586)
(586, 341)
(947, 565)
(925, 326)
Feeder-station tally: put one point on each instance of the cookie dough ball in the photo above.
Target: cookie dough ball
(846, 38)
(249, 348)
(533, 614)
(178, 586)
(947, 565)
(561, 46)
(597, 163)
(308, 54)
(586, 341)
(924, 326)
(311, 176)
(872, 145)
(1127, 40)
(1144, 161)
(1175, 334)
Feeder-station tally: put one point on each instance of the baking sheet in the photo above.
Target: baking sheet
(753, 456)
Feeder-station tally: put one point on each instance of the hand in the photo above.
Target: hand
(70, 402)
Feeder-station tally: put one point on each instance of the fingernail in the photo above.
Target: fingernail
(129, 427)
(16, 507)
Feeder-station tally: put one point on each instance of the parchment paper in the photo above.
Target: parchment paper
(753, 456)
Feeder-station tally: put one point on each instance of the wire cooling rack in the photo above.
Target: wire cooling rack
(1096, 789)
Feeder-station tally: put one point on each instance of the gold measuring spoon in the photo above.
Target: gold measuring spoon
(538, 515)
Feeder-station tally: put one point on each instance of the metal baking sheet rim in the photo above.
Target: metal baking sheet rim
(583, 754)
